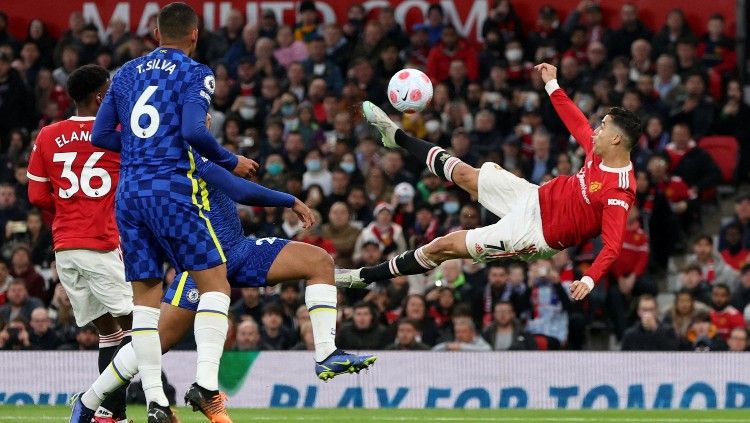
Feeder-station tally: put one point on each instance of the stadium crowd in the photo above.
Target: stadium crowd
(287, 97)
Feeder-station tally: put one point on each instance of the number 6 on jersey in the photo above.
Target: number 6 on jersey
(142, 108)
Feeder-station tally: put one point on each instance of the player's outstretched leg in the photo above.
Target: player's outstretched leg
(303, 261)
(412, 262)
(439, 161)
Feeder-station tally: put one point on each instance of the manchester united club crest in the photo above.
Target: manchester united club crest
(595, 186)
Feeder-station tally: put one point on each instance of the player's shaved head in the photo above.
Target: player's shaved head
(86, 82)
(628, 123)
(176, 21)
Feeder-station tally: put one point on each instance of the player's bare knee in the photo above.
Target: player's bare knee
(321, 266)
(439, 250)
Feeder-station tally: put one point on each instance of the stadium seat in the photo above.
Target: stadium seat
(725, 152)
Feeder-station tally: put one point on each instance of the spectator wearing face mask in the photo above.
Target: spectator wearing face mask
(703, 335)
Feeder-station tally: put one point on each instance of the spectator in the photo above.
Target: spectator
(435, 23)
(342, 233)
(391, 29)
(70, 61)
(690, 162)
(733, 253)
(307, 28)
(16, 105)
(630, 30)
(118, 34)
(733, 119)
(666, 80)
(543, 161)
(740, 297)
(19, 303)
(307, 341)
(723, 315)
(41, 336)
(550, 303)
(363, 331)
(338, 47)
(741, 217)
(247, 336)
(87, 339)
(693, 107)
(419, 47)
(61, 312)
(407, 337)
(5, 280)
(506, 331)
(503, 17)
(5, 36)
(274, 335)
(318, 65)
(389, 235)
(717, 49)
(691, 279)
(251, 304)
(23, 268)
(675, 28)
(714, 269)
(289, 50)
(737, 341)
(703, 336)
(451, 48)
(688, 62)
(649, 334)
(289, 299)
(242, 48)
(415, 309)
(15, 336)
(465, 338)
(682, 312)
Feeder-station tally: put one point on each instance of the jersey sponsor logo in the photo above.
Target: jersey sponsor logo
(210, 83)
(618, 202)
(193, 295)
(595, 186)
(581, 175)
(157, 64)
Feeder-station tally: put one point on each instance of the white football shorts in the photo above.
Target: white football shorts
(95, 283)
(519, 233)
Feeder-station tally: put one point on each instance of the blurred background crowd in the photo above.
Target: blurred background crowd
(288, 96)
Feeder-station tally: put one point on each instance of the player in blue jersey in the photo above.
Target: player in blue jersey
(160, 101)
(250, 263)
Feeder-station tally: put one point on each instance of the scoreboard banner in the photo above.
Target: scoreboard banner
(536, 380)
(466, 16)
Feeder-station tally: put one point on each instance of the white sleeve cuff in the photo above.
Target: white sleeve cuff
(551, 86)
(587, 279)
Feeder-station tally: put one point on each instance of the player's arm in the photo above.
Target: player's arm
(105, 134)
(251, 194)
(570, 114)
(614, 219)
(197, 135)
(40, 187)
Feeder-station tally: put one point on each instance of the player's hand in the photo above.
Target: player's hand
(245, 167)
(304, 213)
(579, 290)
(549, 72)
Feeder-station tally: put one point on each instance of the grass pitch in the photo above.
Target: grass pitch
(42, 414)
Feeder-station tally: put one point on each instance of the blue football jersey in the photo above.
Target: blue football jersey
(149, 94)
(218, 207)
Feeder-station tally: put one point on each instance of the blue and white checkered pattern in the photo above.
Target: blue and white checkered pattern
(247, 266)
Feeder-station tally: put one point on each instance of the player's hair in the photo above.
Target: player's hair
(721, 285)
(704, 237)
(176, 20)
(629, 124)
(85, 82)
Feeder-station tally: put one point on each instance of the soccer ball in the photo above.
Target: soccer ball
(410, 90)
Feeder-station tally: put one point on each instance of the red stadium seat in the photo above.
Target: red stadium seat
(725, 151)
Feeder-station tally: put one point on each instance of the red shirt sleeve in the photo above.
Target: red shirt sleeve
(40, 188)
(614, 219)
(571, 115)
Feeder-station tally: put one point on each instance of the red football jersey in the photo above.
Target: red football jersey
(76, 180)
(595, 200)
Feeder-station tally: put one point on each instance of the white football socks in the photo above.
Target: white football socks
(122, 369)
(320, 300)
(147, 349)
(211, 327)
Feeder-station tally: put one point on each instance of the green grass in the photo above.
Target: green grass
(60, 414)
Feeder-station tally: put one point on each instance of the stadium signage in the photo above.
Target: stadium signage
(467, 16)
(534, 380)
